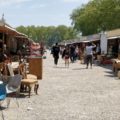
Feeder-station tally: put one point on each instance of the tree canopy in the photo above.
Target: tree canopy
(48, 35)
(96, 16)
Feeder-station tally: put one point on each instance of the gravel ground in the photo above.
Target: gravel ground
(73, 93)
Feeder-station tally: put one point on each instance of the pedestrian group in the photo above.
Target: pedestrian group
(72, 53)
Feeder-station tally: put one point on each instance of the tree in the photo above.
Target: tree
(97, 15)
(48, 35)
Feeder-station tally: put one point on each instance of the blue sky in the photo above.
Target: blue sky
(38, 12)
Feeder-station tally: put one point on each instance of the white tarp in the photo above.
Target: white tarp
(103, 43)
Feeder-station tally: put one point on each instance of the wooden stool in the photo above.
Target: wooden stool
(30, 83)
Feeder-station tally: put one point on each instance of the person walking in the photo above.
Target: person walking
(89, 54)
(66, 56)
(72, 53)
(55, 52)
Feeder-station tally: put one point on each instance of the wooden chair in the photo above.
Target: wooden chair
(1, 67)
(23, 72)
(28, 80)
(5, 73)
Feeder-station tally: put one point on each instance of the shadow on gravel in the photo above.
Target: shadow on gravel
(110, 72)
(106, 66)
(24, 95)
(78, 68)
(110, 75)
(60, 67)
(2, 108)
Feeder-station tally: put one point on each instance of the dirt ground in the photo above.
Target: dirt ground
(73, 93)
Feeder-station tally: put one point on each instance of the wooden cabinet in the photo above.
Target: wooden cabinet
(36, 66)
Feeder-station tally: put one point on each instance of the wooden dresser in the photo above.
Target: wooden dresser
(36, 66)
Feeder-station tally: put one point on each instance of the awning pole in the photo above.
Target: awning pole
(3, 42)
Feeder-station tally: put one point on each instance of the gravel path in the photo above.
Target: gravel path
(73, 93)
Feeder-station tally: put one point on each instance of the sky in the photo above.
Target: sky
(38, 12)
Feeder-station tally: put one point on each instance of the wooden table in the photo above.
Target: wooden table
(116, 65)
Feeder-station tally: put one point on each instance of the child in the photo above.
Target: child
(66, 56)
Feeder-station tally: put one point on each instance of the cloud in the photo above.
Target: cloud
(71, 0)
(38, 6)
(74, 1)
(9, 2)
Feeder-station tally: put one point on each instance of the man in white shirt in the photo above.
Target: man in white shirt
(89, 53)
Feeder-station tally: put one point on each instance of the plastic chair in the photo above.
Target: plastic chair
(2, 92)
(2, 96)
(13, 86)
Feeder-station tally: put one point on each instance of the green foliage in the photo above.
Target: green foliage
(97, 15)
(48, 35)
